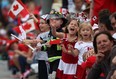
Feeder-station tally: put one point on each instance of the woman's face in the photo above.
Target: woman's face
(103, 43)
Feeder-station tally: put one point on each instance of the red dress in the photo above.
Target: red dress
(68, 63)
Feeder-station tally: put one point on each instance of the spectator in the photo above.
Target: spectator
(113, 23)
(103, 43)
(68, 62)
(84, 44)
(104, 21)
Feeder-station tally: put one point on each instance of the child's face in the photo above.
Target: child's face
(73, 27)
(31, 7)
(58, 22)
(86, 32)
(43, 25)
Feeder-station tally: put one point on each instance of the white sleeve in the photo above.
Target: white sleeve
(77, 46)
(38, 37)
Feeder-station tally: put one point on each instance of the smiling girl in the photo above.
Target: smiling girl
(68, 62)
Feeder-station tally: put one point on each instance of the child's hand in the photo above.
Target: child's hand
(33, 17)
(26, 42)
(90, 53)
(48, 44)
(70, 47)
(63, 48)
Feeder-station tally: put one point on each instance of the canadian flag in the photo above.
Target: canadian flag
(18, 8)
(28, 26)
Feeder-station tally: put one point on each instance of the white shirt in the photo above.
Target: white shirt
(42, 55)
(83, 47)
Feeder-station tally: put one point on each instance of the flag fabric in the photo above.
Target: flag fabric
(23, 33)
(18, 8)
(102, 4)
(28, 26)
(56, 41)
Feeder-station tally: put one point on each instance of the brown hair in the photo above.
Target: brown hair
(66, 30)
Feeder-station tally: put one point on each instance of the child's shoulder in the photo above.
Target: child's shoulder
(80, 42)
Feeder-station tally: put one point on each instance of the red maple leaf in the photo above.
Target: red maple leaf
(27, 26)
(15, 7)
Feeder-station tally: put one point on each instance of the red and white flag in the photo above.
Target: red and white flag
(28, 26)
(18, 8)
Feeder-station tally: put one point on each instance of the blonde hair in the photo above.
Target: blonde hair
(84, 24)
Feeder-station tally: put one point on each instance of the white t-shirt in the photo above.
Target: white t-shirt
(42, 55)
(83, 47)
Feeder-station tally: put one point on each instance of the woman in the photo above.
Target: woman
(103, 45)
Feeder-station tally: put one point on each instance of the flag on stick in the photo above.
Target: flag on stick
(18, 8)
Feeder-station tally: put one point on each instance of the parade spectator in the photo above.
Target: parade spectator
(68, 62)
(84, 44)
(113, 23)
(103, 45)
(104, 21)
(13, 62)
(40, 55)
(54, 52)
(79, 5)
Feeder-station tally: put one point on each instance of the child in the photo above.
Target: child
(84, 44)
(13, 60)
(40, 55)
(68, 62)
(54, 52)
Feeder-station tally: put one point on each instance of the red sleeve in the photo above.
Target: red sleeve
(23, 47)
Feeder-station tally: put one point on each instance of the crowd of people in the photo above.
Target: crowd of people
(77, 43)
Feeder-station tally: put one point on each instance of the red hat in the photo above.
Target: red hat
(89, 62)
(9, 43)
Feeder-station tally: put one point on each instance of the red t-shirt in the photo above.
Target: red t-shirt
(23, 47)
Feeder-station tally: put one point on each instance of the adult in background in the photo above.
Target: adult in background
(113, 23)
(103, 45)
(104, 21)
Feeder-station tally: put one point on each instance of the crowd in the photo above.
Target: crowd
(77, 42)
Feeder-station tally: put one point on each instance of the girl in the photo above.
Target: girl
(84, 44)
(68, 62)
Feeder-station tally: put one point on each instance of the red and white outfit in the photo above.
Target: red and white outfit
(68, 63)
(83, 47)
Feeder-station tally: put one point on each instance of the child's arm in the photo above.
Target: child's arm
(72, 51)
(34, 18)
(54, 32)
(28, 41)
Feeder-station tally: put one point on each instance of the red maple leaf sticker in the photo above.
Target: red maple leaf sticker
(15, 7)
